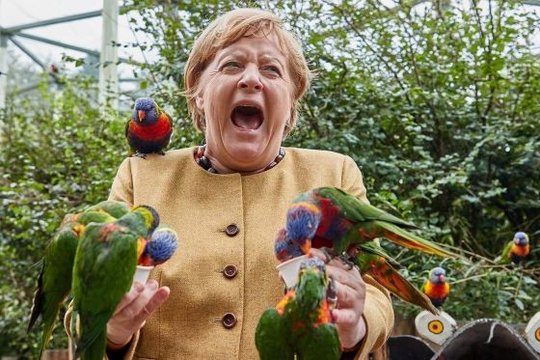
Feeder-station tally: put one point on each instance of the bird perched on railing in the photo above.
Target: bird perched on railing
(301, 323)
(342, 226)
(149, 129)
(435, 287)
(516, 250)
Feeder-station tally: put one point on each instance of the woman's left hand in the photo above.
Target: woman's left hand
(351, 296)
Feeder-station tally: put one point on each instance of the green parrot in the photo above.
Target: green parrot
(103, 271)
(344, 222)
(301, 323)
(54, 281)
(516, 250)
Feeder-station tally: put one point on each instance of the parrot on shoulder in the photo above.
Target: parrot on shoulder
(301, 324)
(149, 129)
(105, 263)
(436, 288)
(516, 250)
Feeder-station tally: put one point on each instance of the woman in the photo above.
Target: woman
(244, 79)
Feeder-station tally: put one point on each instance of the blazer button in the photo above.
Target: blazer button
(230, 271)
(232, 230)
(228, 320)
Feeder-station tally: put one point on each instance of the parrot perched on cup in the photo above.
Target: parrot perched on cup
(301, 324)
(103, 271)
(516, 250)
(436, 288)
(149, 129)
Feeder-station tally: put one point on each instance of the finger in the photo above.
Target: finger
(130, 296)
(318, 254)
(136, 306)
(351, 278)
(345, 318)
(153, 303)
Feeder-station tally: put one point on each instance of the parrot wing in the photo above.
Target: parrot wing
(357, 211)
(116, 209)
(271, 337)
(504, 258)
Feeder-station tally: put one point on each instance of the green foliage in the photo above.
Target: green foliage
(57, 154)
(439, 105)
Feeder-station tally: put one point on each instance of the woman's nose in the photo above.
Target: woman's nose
(250, 80)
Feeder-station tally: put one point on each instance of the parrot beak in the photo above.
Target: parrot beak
(306, 246)
(441, 278)
(141, 114)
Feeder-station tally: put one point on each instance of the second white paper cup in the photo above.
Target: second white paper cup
(142, 273)
(288, 270)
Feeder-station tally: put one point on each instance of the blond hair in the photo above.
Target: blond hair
(229, 28)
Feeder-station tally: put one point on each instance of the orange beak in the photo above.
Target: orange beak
(142, 115)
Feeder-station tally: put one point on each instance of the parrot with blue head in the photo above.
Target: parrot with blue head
(436, 288)
(149, 129)
(161, 246)
(516, 250)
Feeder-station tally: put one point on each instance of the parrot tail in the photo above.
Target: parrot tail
(409, 240)
(386, 275)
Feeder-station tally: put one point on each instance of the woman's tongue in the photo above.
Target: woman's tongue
(246, 121)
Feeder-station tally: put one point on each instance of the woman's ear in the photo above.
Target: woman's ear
(199, 101)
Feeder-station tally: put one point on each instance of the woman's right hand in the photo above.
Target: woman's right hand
(132, 311)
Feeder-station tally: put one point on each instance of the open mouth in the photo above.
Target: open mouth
(247, 117)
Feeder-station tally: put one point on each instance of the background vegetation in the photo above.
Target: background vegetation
(439, 105)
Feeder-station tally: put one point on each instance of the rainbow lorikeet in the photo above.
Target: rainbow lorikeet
(149, 129)
(436, 288)
(54, 281)
(301, 323)
(516, 250)
(103, 271)
(345, 222)
(116, 209)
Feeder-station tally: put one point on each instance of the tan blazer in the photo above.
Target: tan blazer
(223, 274)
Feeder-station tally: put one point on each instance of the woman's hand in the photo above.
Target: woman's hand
(351, 295)
(132, 312)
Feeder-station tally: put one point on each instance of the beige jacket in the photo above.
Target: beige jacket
(225, 262)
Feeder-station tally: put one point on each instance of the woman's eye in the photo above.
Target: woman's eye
(273, 69)
(231, 65)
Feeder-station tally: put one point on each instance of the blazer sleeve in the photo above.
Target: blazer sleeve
(378, 312)
(122, 187)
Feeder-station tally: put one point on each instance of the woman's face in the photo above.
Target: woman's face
(246, 96)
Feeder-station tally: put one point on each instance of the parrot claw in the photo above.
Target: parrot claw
(346, 260)
(140, 155)
(331, 293)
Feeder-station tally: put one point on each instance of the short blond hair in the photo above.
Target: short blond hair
(229, 28)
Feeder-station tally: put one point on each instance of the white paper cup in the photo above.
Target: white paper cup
(288, 270)
(142, 273)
